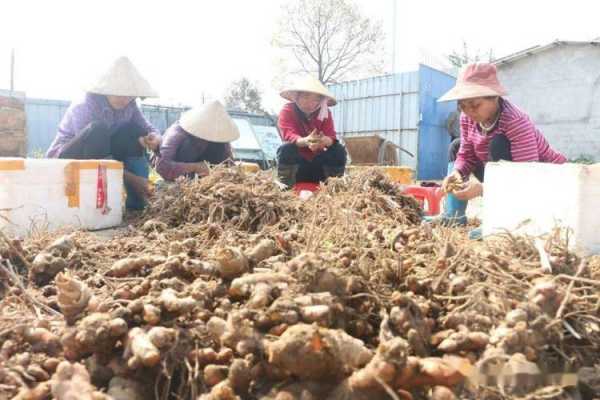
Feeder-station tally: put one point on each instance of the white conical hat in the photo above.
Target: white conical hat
(308, 84)
(210, 122)
(122, 79)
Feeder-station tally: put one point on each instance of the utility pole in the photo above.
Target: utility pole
(12, 71)
(394, 36)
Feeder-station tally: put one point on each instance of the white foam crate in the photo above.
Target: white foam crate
(535, 198)
(53, 193)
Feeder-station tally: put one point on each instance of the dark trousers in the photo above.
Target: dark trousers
(499, 149)
(97, 141)
(314, 170)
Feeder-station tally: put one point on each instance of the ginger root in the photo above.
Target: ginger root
(45, 266)
(464, 341)
(258, 286)
(127, 266)
(264, 249)
(62, 246)
(126, 389)
(222, 391)
(239, 377)
(97, 333)
(144, 348)
(393, 367)
(237, 333)
(214, 374)
(41, 391)
(154, 225)
(152, 314)
(37, 372)
(73, 296)
(546, 295)
(442, 393)
(231, 263)
(310, 352)
(42, 340)
(408, 320)
(173, 304)
(51, 260)
(72, 382)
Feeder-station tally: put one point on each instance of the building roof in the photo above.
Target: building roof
(540, 48)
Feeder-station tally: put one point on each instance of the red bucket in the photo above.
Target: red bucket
(306, 186)
(429, 197)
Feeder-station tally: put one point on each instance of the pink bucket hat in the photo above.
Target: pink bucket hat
(475, 80)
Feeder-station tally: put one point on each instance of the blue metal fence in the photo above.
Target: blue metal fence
(384, 105)
(433, 135)
(43, 117)
(403, 109)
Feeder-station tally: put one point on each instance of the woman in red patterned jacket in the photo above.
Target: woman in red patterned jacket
(311, 151)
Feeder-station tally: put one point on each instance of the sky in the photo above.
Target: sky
(190, 50)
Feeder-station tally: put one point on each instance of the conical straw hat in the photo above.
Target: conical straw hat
(210, 122)
(311, 85)
(122, 79)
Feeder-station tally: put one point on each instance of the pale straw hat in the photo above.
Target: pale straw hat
(210, 122)
(311, 85)
(122, 79)
(475, 80)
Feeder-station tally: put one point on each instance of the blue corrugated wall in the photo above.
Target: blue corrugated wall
(43, 117)
(387, 106)
(433, 135)
(402, 108)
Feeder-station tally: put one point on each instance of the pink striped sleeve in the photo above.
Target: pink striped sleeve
(523, 140)
(466, 159)
(547, 153)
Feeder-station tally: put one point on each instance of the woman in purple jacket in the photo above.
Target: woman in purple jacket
(108, 123)
(202, 136)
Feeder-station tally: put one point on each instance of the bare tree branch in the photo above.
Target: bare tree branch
(329, 38)
(466, 55)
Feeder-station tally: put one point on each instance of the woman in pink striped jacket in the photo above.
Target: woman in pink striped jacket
(491, 129)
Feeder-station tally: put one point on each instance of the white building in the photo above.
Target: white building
(558, 85)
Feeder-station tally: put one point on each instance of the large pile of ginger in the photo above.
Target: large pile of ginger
(230, 288)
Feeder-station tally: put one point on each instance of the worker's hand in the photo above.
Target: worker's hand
(138, 184)
(302, 142)
(327, 141)
(315, 146)
(318, 141)
(314, 136)
(200, 168)
(471, 190)
(151, 141)
(451, 182)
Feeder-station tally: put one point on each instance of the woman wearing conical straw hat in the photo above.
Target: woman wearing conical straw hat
(491, 129)
(202, 135)
(108, 123)
(311, 151)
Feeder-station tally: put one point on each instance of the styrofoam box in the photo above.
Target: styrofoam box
(535, 198)
(53, 193)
